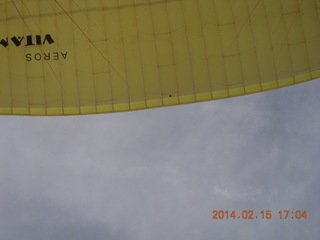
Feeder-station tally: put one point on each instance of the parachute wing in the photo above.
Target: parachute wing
(66, 57)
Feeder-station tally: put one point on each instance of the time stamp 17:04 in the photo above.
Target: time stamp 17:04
(265, 214)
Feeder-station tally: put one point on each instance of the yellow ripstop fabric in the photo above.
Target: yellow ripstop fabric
(62, 57)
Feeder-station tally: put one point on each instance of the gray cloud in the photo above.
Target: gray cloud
(158, 174)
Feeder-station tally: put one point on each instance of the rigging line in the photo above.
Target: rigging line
(245, 22)
(288, 30)
(95, 9)
(90, 41)
(294, 17)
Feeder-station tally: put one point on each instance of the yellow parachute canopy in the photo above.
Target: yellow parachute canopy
(64, 57)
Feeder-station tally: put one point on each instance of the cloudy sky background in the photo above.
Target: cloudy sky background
(158, 174)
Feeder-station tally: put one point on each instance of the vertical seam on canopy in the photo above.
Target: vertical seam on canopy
(304, 35)
(140, 55)
(107, 51)
(182, 7)
(222, 52)
(157, 52)
(57, 76)
(172, 52)
(123, 51)
(43, 70)
(286, 39)
(74, 50)
(205, 44)
(26, 78)
(8, 56)
(42, 64)
(249, 20)
(59, 73)
(271, 43)
(236, 41)
(91, 65)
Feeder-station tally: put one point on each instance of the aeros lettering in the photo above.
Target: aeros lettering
(47, 56)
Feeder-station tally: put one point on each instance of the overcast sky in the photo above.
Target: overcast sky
(158, 174)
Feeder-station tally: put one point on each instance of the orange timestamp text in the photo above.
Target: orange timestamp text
(264, 214)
